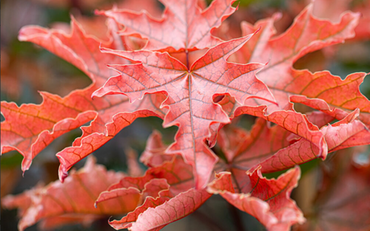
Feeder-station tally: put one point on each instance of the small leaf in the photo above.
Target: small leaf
(172, 181)
(154, 153)
(174, 209)
(75, 196)
(266, 200)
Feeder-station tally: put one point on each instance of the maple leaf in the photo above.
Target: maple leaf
(153, 153)
(76, 196)
(343, 134)
(164, 189)
(30, 128)
(306, 34)
(332, 10)
(199, 97)
(190, 94)
(282, 147)
(159, 207)
(267, 200)
(77, 47)
(183, 24)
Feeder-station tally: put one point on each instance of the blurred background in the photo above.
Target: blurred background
(27, 69)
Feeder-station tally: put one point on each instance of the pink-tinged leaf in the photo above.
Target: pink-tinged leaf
(293, 122)
(347, 133)
(78, 48)
(142, 187)
(158, 185)
(190, 94)
(306, 34)
(105, 127)
(319, 118)
(150, 6)
(294, 140)
(335, 96)
(24, 201)
(30, 128)
(363, 28)
(154, 153)
(181, 205)
(183, 24)
(250, 148)
(266, 200)
(75, 196)
(150, 202)
(252, 50)
(333, 9)
(177, 176)
(343, 134)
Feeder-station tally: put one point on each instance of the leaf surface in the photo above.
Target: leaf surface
(267, 200)
(76, 196)
(153, 154)
(306, 34)
(174, 209)
(190, 94)
(30, 128)
(176, 173)
(77, 47)
(165, 190)
(281, 147)
(183, 24)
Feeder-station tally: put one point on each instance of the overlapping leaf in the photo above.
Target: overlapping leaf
(199, 97)
(267, 200)
(154, 150)
(164, 191)
(278, 148)
(183, 26)
(167, 204)
(74, 198)
(343, 134)
(30, 128)
(78, 48)
(190, 94)
(306, 34)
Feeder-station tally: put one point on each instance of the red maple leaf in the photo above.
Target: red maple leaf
(185, 76)
(183, 26)
(190, 94)
(30, 128)
(306, 34)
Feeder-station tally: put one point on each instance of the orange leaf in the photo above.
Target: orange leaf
(76, 196)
